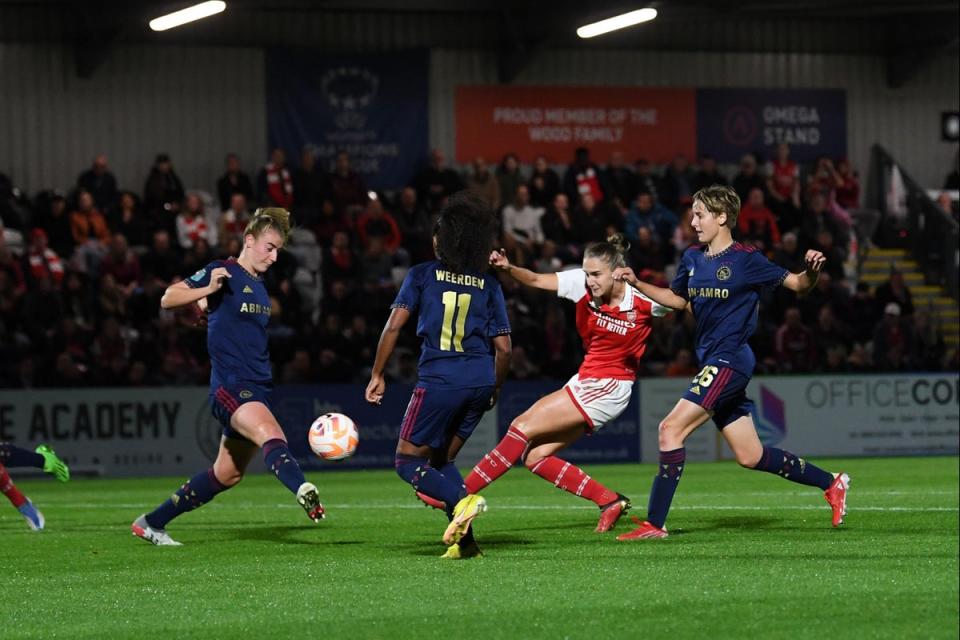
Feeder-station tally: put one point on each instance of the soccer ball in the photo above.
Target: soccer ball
(333, 436)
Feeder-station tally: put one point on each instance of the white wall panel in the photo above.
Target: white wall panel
(906, 121)
(195, 103)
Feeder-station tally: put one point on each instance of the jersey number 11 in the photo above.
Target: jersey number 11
(459, 305)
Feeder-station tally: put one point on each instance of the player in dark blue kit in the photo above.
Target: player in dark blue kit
(238, 307)
(462, 320)
(721, 280)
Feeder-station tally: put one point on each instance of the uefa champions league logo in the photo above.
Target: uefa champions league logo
(349, 90)
(770, 417)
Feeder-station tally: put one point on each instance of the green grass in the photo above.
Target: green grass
(749, 556)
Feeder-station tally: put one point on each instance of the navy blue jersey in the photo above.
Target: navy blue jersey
(459, 313)
(237, 326)
(724, 290)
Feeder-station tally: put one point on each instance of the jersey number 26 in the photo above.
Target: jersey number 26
(458, 305)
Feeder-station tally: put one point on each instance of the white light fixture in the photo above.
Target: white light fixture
(196, 12)
(616, 22)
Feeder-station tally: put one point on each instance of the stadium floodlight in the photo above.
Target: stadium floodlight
(616, 22)
(196, 12)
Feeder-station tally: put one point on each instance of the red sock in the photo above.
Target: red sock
(571, 478)
(497, 462)
(9, 489)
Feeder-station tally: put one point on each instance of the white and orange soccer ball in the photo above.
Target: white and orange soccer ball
(333, 436)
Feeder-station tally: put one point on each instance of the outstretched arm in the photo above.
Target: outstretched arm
(502, 345)
(660, 295)
(806, 280)
(388, 342)
(526, 277)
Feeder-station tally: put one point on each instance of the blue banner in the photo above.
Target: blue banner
(374, 106)
(618, 441)
(731, 122)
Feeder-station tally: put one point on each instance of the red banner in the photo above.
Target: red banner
(651, 123)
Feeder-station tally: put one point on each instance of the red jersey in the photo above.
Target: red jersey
(613, 337)
(784, 176)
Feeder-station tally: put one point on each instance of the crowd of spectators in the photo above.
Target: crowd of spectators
(82, 270)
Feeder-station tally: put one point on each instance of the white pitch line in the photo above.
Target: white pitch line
(528, 507)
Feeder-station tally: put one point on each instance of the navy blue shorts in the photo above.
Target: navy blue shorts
(227, 398)
(722, 391)
(436, 413)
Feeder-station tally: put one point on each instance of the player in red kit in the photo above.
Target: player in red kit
(613, 320)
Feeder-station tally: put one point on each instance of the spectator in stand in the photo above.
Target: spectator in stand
(163, 193)
(100, 183)
(376, 270)
(557, 225)
(127, 219)
(757, 224)
(862, 314)
(346, 185)
(311, 186)
(162, 260)
(300, 368)
(414, 224)
(42, 261)
(10, 266)
(111, 299)
(90, 234)
(827, 292)
(647, 256)
(376, 222)
(928, 343)
(819, 218)
(330, 223)
(41, 314)
(783, 186)
(824, 180)
(55, 220)
(588, 222)
(233, 181)
(708, 175)
(274, 182)
(835, 256)
(234, 218)
(583, 177)
(789, 255)
(483, 184)
(892, 341)
(682, 364)
(677, 183)
(544, 183)
(122, 264)
(656, 217)
(848, 189)
(192, 222)
(647, 180)
(622, 182)
(795, 345)
(684, 236)
(340, 263)
(509, 176)
(829, 332)
(521, 221)
(895, 290)
(436, 181)
(77, 303)
(748, 178)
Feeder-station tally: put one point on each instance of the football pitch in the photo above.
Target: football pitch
(749, 555)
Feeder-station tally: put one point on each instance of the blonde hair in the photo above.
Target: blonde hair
(719, 199)
(613, 251)
(265, 218)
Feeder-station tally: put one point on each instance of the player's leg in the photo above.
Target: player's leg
(21, 502)
(553, 413)
(254, 421)
(741, 434)
(682, 420)
(227, 470)
(43, 458)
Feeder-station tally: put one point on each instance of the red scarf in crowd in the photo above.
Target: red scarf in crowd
(279, 185)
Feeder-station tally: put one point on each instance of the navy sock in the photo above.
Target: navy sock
(195, 492)
(425, 479)
(793, 468)
(14, 456)
(665, 485)
(277, 455)
(451, 472)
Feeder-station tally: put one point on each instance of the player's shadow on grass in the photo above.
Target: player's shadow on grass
(428, 549)
(739, 522)
(291, 535)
